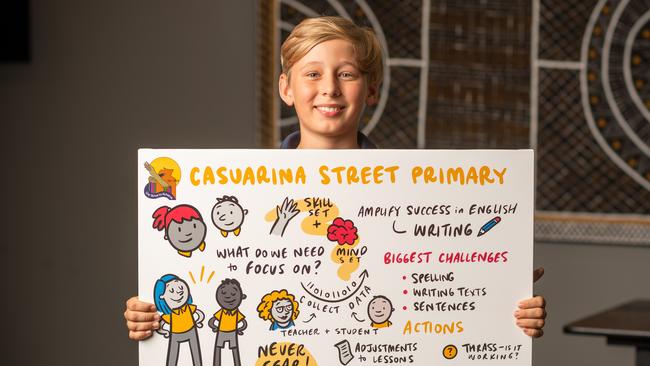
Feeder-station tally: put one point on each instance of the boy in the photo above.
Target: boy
(331, 69)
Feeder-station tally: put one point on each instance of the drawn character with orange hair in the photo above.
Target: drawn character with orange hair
(280, 307)
(183, 226)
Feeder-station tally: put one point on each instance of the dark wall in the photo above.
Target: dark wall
(105, 79)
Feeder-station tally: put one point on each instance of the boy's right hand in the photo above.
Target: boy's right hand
(141, 318)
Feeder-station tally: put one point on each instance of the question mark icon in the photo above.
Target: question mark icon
(318, 262)
(450, 352)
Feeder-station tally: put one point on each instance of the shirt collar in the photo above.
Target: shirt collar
(292, 141)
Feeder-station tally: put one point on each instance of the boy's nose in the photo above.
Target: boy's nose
(330, 87)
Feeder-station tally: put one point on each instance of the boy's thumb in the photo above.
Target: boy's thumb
(538, 273)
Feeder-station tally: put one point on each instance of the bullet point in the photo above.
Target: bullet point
(406, 292)
(404, 308)
(403, 277)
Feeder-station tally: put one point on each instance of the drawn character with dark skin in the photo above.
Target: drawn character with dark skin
(228, 322)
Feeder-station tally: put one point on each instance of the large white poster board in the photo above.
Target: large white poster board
(348, 257)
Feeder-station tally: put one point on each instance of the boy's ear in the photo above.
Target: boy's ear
(285, 90)
(373, 95)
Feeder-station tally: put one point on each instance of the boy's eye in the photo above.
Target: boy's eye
(195, 225)
(171, 290)
(179, 229)
(312, 74)
(347, 75)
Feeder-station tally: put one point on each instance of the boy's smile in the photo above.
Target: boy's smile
(328, 91)
(330, 110)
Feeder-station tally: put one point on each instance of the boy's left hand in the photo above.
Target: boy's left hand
(531, 314)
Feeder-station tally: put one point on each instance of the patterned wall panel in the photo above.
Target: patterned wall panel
(569, 78)
(590, 110)
(457, 73)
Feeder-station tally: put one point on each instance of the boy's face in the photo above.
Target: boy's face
(327, 90)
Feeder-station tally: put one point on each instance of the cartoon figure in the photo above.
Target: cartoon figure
(228, 322)
(280, 307)
(285, 212)
(180, 317)
(228, 215)
(184, 228)
(379, 311)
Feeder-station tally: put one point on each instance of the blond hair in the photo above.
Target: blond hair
(313, 31)
(264, 308)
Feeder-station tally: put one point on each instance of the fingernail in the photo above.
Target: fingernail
(519, 323)
(155, 325)
(156, 317)
(517, 312)
(148, 332)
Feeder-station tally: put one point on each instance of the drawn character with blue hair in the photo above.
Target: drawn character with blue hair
(180, 317)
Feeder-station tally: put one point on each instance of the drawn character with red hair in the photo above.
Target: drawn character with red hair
(184, 228)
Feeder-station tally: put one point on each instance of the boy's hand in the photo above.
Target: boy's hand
(531, 314)
(537, 274)
(141, 318)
